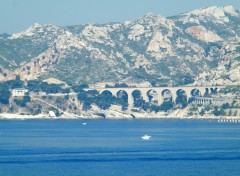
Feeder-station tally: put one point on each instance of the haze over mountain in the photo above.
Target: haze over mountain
(200, 47)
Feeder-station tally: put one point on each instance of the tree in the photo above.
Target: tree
(66, 97)
(207, 108)
(222, 112)
(37, 110)
(12, 84)
(233, 103)
(202, 112)
(153, 83)
(56, 111)
(235, 113)
(215, 111)
(38, 86)
(226, 106)
(4, 94)
(182, 100)
(18, 78)
(155, 108)
(79, 88)
(138, 100)
(230, 112)
(23, 101)
(167, 105)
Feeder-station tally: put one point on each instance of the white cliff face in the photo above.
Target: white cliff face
(228, 70)
(159, 45)
(220, 76)
(169, 24)
(99, 34)
(150, 46)
(230, 10)
(234, 74)
(37, 30)
(29, 32)
(136, 32)
(211, 13)
(141, 61)
(68, 41)
(201, 33)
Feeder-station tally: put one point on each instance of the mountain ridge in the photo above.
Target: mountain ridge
(152, 49)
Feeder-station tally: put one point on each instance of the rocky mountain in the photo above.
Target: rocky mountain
(200, 47)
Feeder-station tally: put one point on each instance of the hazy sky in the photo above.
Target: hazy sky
(17, 15)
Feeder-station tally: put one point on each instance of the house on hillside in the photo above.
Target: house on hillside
(19, 92)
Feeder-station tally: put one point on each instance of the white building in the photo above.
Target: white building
(19, 92)
(52, 114)
(203, 100)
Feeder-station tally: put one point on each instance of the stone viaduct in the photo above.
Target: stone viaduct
(159, 91)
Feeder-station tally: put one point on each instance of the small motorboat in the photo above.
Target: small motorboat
(146, 137)
(84, 123)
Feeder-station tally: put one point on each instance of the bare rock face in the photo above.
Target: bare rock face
(38, 65)
(228, 70)
(196, 47)
(201, 33)
(214, 13)
(136, 32)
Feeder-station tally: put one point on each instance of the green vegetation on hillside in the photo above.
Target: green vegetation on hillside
(231, 89)
(4, 93)
(18, 51)
(22, 101)
(38, 86)
(103, 101)
(79, 88)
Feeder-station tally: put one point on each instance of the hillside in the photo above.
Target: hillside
(200, 47)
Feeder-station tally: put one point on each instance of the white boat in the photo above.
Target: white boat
(84, 123)
(146, 137)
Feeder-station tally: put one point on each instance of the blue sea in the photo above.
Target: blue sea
(115, 148)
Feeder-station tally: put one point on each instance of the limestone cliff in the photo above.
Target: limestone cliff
(195, 46)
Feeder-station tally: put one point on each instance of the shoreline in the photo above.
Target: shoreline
(8, 116)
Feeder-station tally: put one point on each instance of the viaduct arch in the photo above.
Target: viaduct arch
(159, 90)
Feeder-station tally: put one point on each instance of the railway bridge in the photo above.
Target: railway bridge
(159, 92)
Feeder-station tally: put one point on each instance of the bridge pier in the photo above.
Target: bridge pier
(160, 99)
(174, 97)
(188, 95)
(202, 91)
(145, 96)
(130, 101)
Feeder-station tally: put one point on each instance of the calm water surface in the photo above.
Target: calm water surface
(114, 147)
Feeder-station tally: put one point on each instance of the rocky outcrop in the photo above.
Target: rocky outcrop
(175, 50)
